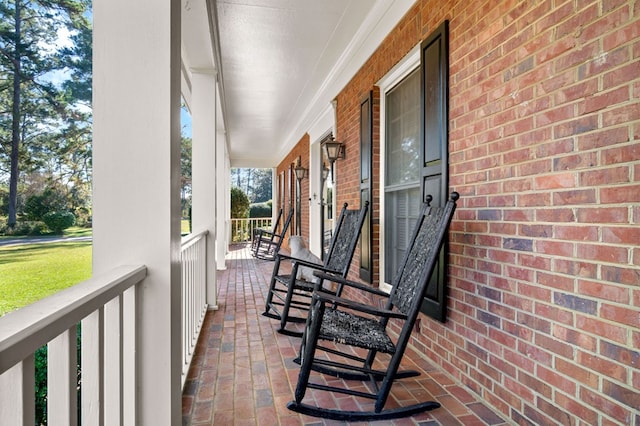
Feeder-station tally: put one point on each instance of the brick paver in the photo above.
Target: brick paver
(243, 371)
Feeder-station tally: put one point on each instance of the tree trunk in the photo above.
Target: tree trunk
(15, 136)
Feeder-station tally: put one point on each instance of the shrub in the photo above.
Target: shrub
(58, 221)
(52, 199)
(239, 203)
(22, 228)
(260, 210)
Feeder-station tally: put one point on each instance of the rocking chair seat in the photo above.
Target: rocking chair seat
(347, 328)
(298, 283)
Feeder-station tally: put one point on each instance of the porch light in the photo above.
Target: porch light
(333, 150)
(300, 171)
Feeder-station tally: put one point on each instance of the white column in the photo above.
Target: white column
(136, 193)
(315, 202)
(205, 182)
(223, 197)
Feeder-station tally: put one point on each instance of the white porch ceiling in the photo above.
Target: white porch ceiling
(280, 63)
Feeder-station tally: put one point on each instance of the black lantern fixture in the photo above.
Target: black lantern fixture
(333, 150)
(300, 171)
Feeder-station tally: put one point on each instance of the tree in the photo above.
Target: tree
(256, 183)
(239, 203)
(31, 101)
(185, 175)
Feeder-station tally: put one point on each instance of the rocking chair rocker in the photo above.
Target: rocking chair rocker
(348, 323)
(287, 290)
(267, 243)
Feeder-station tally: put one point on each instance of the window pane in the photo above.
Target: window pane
(402, 183)
(403, 131)
(401, 209)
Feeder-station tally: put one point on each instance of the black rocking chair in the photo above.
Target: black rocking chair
(348, 323)
(267, 243)
(286, 291)
(258, 231)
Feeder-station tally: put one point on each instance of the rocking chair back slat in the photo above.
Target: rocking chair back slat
(344, 244)
(415, 270)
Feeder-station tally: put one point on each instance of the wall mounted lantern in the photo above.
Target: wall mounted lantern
(333, 150)
(300, 173)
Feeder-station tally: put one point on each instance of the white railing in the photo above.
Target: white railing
(193, 258)
(105, 306)
(242, 229)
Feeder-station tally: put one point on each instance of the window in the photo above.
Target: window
(402, 174)
(415, 160)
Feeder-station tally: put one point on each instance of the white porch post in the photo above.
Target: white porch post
(136, 194)
(223, 197)
(205, 181)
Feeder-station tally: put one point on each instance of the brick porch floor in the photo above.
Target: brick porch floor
(242, 372)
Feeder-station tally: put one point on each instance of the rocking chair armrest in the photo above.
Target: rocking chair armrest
(356, 306)
(263, 232)
(302, 262)
(340, 280)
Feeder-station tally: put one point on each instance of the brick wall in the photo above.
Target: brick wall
(301, 150)
(544, 307)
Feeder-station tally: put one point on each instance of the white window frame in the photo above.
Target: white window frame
(402, 69)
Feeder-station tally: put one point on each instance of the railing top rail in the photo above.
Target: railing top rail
(25, 330)
(189, 240)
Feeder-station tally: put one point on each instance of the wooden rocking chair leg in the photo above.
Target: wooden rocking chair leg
(272, 285)
(284, 316)
(307, 350)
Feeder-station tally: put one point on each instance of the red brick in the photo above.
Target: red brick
(575, 337)
(555, 181)
(620, 194)
(555, 215)
(604, 291)
(601, 365)
(575, 161)
(603, 215)
(600, 328)
(576, 233)
(575, 268)
(621, 115)
(621, 36)
(621, 235)
(603, 404)
(576, 126)
(575, 197)
(555, 248)
(553, 313)
(603, 253)
(630, 317)
(604, 100)
(577, 408)
(555, 281)
(607, 176)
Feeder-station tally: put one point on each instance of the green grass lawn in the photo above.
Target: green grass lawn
(74, 231)
(32, 272)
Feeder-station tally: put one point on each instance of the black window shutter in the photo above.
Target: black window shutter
(366, 160)
(434, 154)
